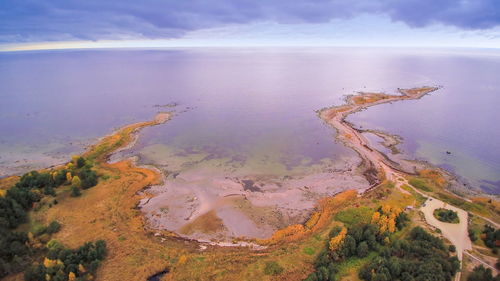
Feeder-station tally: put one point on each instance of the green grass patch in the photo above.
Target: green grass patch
(353, 264)
(353, 216)
(419, 197)
(309, 251)
(273, 268)
(458, 202)
(420, 184)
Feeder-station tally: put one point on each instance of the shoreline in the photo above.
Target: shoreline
(376, 165)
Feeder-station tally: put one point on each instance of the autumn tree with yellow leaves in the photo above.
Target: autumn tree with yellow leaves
(336, 241)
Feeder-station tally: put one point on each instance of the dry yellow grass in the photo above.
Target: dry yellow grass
(368, 98)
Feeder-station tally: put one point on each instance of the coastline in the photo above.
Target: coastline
(120, 198)
(376, 166)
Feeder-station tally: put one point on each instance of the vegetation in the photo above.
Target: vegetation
(491, 237)
(18, 248)
(446, 215)
(357, 241)
(273, 268)
(63, 264)
(482, 274)
(420, 184)
(420, 257)
(354, 215)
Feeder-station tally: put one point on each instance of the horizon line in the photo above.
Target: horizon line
(169, 44)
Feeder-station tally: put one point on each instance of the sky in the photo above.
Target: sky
(62, 24)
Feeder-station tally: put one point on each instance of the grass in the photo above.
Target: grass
(353, 216)
(420, 184)
(309, 251)
(463, 204)
(420, 199)
(351, 266)
(432, 183)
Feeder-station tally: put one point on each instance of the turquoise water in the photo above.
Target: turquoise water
(250, 105)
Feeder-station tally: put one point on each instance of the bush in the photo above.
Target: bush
(452, 248)
(38, 230)
(80, 162)
(75, 191)
(272, 268)
(53, 227)
(88, 178)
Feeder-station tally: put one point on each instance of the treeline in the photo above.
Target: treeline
(357, 241)
(421, 256)
(62, 264)
(18, 249)
(15, 254)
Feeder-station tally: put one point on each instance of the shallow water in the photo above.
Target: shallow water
(248, 114)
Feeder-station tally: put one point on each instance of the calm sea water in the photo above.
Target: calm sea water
(252, 105)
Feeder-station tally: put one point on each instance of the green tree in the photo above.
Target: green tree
(362, 250)
(76, 182)
(80, 162)
(75, 191)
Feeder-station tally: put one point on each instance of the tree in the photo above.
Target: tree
(349, 246)
(88, 177)
(68, 176)
(362, 250)
(452, 248)
(53, 227)
(80, 162)
(75, 191)
(35, 273)
(337, 240)
(76, 182)
(481, 274)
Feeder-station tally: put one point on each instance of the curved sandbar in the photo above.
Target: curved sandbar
(376, 166)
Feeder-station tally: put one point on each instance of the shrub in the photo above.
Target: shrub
(80, 162)
(452, 248)
(53, 227)
(75, 191)
(38, 230)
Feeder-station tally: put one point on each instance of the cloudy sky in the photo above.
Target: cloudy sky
(39, 24)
